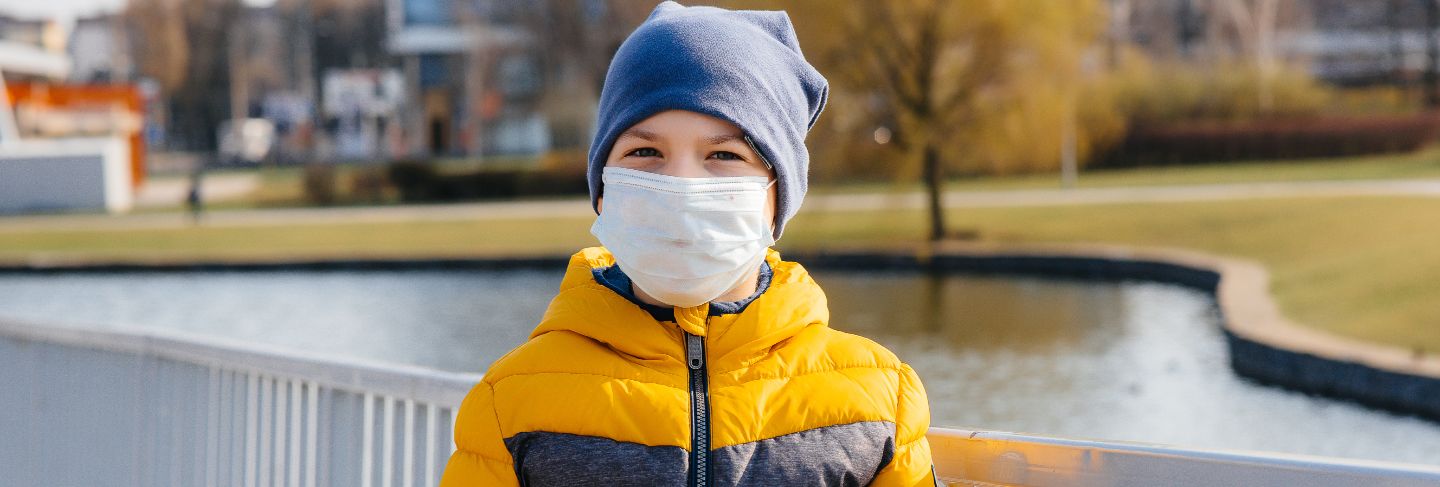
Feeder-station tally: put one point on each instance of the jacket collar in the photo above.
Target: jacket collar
(585, 307)
(615, 279)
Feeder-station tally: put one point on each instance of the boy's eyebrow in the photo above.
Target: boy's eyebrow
(722, 138)
(639, 134)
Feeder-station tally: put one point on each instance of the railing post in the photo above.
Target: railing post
(368, 442)
(408, 469)
(295, 445)
(430, 440)
(387, 462)
(266, 423)
(251, 409)
(312, 419)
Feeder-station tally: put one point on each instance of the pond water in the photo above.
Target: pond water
(1128, 361)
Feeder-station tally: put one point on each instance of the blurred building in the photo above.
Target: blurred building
(309, 80)
(1364, 43)
(361, 108)
(1342, 42)
(96, 48)
(28, 31)
(472, 78)
(99, 50)
(63, 146)
(356, 80)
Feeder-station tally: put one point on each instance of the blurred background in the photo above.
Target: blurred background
(1298, 134)
(342, 102)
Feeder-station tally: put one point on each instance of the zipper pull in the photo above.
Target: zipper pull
(694, 351)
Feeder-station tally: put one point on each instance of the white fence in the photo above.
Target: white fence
(145, 408)
(987, 458)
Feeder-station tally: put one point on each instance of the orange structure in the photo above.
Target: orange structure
(45, 110)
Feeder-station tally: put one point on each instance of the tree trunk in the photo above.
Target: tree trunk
(1397, 43)
(1432, 54)
(1119, 33)
(932, 183)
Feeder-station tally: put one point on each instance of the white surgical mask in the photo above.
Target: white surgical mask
(684, 241)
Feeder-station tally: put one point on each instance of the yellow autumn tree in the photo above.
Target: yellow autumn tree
(970, 86)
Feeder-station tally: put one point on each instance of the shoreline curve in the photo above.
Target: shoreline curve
(1263, 344)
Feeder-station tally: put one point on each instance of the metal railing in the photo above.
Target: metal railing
(145, 408)
(984, 458)
(87, 407)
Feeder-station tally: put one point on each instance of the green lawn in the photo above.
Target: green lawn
(282, 186)
(361, 240)
(1367, 267)
(1423, 164)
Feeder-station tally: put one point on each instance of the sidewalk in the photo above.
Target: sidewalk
(172, 191)
(580, 208)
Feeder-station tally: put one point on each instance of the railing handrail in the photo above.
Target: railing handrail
(337, 372)
(983, 456)
(1007, 458)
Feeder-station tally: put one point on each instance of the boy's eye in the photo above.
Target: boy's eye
(727, 156)
(644, 152)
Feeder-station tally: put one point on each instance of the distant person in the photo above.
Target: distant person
(194, 201)
(685, 351)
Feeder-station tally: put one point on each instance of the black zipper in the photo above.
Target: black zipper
(699, 411)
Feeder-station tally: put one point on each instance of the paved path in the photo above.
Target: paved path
(580, 208)
(1145, 194)
(172, 191)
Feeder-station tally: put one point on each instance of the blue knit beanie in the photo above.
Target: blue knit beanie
(742, 66)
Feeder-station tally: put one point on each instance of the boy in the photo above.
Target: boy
(685, 351)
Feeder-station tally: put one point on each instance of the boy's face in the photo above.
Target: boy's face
(686, 144)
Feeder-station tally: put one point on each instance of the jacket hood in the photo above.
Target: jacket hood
(585, 307)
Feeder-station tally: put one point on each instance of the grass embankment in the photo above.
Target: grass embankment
(1423, 164)
(1365, 267)
(284, 186)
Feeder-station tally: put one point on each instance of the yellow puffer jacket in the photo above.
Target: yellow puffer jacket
(604, 394)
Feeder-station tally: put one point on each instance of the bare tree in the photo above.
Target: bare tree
(183, 44)
(157, 34)
(1119, 34)
(1255, 26)
(583, 34)
(574, 42)
(1432, 54)
(1255, 23)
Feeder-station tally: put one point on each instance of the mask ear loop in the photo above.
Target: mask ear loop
(767, 166)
